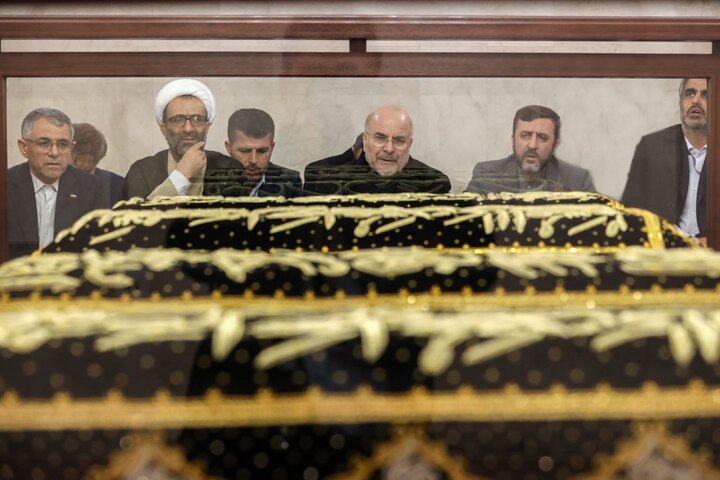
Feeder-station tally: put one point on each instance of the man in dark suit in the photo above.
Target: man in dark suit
(532, 166)
(383, 166)
(668, 171)
(90, 148)
(44, 194)
(250, 142)
(184, 110)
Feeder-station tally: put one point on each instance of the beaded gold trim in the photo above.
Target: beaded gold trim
(654, 227)
(374, 198)
(215, 410)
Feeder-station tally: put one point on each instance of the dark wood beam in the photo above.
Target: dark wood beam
(713, 167)
(150, 64)
(369, 27)
(4, 249)
(358, 45)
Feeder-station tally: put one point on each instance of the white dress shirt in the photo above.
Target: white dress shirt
(254, 191)
(45, 201)
(696, 159)
(183, 185)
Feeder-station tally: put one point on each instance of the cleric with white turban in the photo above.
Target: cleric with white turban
(184, 110)
(180, 87)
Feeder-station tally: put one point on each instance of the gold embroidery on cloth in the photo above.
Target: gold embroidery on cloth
(689, 326)
(494, 216)
(107, 269)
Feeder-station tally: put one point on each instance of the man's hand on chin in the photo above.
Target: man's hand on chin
(193, 160)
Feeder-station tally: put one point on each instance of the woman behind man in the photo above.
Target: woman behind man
(90, 148)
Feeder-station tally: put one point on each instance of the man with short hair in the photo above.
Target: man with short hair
(45, 194)
(250, 142)
(90, 148)
(184, 110)
(532, 165)
(668, 171)
(383, 166)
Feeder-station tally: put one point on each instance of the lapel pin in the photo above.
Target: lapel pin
(72, 195)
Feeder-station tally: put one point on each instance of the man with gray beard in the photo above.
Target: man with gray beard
(384, 164)
(184, 110)
(532, 166)
(668, 171)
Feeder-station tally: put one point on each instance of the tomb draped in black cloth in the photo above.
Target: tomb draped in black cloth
(449, 336)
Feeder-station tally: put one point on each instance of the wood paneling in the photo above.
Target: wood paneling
(369, 27)
(153, 64)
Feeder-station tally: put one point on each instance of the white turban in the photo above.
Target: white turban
(180, 87)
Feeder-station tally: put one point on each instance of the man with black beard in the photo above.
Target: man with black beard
(184, 110)
(532, 165)
(250, 143)
(668, 171)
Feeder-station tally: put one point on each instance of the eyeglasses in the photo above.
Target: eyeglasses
(379, 140)
(195, 120)
(44, 145)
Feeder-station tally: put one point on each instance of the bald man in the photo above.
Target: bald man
(384, 166)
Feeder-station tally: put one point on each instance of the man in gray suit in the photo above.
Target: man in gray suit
(532, 165)
(45, 194)
(668, 171)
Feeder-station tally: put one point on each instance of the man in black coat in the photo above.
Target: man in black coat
(184, 110)
(383, 166)
(668, 171)
(250, 143)
(45, 194)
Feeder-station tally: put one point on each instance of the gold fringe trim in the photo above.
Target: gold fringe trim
(591, 298)
(654, 228)
(374, 198)
(215, 410)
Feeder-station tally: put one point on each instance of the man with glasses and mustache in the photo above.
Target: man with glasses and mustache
(532, 166)
(45, 194)
(184, 110)
(668, 171)
(383, 166)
